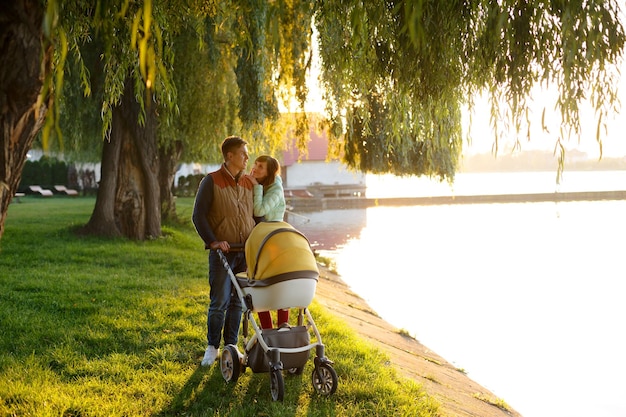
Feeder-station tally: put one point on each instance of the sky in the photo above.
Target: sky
(613, 137)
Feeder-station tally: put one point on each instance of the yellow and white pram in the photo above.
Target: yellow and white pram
(282, 274)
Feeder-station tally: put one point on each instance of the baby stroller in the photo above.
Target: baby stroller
(282, 273)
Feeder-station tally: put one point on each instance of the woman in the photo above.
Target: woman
(269, 206)
(269, 196)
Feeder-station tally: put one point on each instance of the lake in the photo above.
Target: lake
(527, 298)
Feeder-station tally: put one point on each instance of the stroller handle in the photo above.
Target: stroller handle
(231, 275)
(235, 247)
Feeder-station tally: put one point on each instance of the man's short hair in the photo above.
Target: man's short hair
(231, 143)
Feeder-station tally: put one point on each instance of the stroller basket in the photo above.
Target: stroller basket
(293, 337)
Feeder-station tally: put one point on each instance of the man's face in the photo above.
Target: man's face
(239, 158)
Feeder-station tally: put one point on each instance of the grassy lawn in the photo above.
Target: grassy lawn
(110, 327)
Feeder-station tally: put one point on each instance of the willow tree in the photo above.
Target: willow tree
(26, 61)
(130, 37)
(195, 94)
(242, 61)
(396, 74)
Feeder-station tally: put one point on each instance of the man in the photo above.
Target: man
(223, 215)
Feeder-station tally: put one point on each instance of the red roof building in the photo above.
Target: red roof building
(311, 171)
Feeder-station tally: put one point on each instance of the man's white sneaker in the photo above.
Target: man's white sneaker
(209, 356)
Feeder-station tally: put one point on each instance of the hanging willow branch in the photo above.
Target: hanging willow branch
(396, 73)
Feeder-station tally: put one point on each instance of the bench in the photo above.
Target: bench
(17, 196)
(61, 189)
(36, 189)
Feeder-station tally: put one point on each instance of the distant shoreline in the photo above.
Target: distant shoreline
(317, 204)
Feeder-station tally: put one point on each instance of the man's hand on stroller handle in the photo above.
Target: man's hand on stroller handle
(224, 246)
(220, 244)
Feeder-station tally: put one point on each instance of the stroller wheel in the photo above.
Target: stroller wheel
(324, 379)
(230, 363)
(277, 385)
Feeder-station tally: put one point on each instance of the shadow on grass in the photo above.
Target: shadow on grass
(206, 394)
(193, 389)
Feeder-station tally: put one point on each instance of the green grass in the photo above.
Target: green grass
(110, 327)
(497, 402)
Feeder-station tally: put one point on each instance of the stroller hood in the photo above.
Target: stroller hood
(277, 248)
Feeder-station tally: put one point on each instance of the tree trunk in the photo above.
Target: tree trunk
(137, 202)
(148, 151)
(25, 64)
(168, 163)
(102, 221)
(128, 201)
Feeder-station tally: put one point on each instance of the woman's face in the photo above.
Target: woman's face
(259, 170)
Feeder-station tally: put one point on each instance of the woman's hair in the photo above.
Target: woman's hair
(273, 169)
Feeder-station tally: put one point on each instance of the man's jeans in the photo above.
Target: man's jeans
(225, 306)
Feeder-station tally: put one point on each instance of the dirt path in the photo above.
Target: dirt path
(456, 392)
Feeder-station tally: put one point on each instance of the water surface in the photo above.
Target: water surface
(528, 298)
